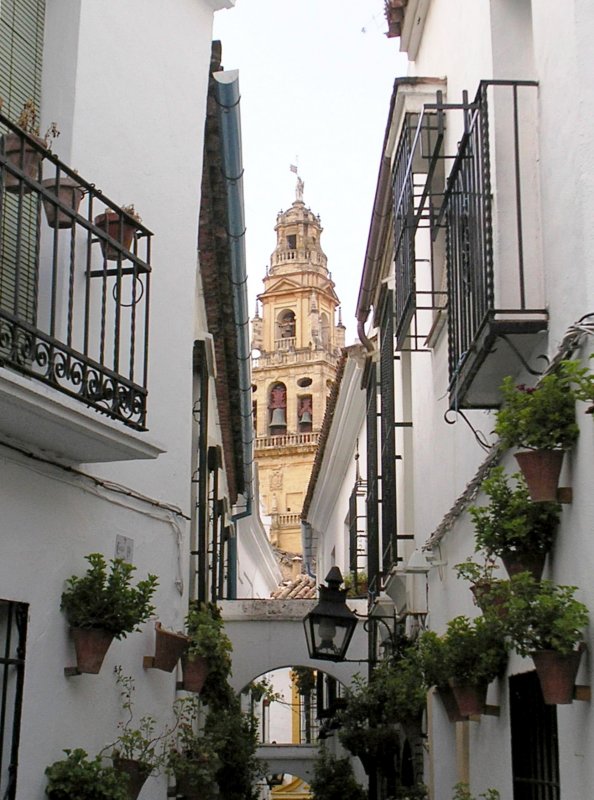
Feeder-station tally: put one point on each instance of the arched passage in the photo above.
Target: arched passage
(268, 634)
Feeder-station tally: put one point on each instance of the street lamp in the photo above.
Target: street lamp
(330, 625)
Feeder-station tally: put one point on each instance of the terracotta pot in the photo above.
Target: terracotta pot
(136, 773)
(195, 672)
(169, 648)
(557, 673)
(541, 469)
(120, 230)
(21, 154)
(524, 562)
(91, 645)
(69, 193)
(448, 700)
(486, 597)
(470, 697)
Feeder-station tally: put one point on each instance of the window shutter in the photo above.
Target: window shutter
(21, 54)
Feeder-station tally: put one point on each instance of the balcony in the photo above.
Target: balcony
(309, 440)
(74, 302)
(486, 209)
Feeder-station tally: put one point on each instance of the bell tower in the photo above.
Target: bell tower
(296, 340)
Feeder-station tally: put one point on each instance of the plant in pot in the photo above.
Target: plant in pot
(546, 622)
(192, 759)
(541, 419)
(462, 792)
(475, 655)
(121, 226)
(78, 778)
(431, 650)
(68, 192)
(139, 749)
(400, 684)
(234, 736)
(334, 779)
(103, 605)
(366, 729)
(482, 583)
(511, 526)
(20, 151)
(206, 663)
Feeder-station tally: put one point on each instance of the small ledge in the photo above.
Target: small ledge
(490, 711)
(565, 495)
(583, 693)
(71, 672)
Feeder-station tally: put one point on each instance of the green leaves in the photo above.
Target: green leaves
(511, 522)
(541, 417)
(206, 630)
(76, 776)
(102, 599)
(475, 650)
(334, 779)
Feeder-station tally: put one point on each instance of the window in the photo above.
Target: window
(292, 241)
(535, 753)
(304, 413)
(277, 409)
(13, 635)
(286, 325)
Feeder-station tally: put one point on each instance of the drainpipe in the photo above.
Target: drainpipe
(228, 97)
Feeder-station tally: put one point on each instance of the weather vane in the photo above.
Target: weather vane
(300, 184)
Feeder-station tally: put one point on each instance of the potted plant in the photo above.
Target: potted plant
(20, 151)
(67, 191)
(206, 664)
(546, 622)
(121, 227)
(102, 605)
(138, 750)
(542, 419)
(334, 779)
(77, 778)
(462, 792)
(482, 583)
(512, 527)
(475, 655)
(432, 659)
(192, 759)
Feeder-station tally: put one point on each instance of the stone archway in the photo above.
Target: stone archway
(268, 635)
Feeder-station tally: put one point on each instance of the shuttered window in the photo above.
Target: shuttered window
(21, 51)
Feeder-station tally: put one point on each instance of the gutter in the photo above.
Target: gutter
(227, 96)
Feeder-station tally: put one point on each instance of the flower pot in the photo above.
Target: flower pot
(557, 673)
(20, 153)
(195, 672)
(120, 230)
(487, 597)
(69, 193)
(541, 469)
(91, 646)
(524, 562)
(169, 648)
(448, 700)
(470, 697)
(136, 773)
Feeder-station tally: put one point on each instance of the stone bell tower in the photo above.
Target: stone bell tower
(296, 340)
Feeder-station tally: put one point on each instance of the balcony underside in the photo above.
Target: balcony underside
(504, 345)
(39, 418)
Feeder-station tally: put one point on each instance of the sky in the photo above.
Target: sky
(315, 78)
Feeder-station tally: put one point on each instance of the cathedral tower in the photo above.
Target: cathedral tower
(297, 343)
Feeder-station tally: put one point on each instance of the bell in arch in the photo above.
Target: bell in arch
(278, 418)
(306, 418)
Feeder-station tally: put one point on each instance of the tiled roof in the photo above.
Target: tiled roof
(301, 588)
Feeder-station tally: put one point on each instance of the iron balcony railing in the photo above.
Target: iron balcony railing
(74, 282)
(487, 206)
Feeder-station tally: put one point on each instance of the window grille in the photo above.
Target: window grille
(13, 635)
(534, 742)
(388, 439)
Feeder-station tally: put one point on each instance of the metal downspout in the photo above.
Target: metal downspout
(228, 97)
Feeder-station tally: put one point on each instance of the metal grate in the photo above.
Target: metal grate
(535, 750)
(388, 438)
(372, 480)
(74, 282)
(13, 637)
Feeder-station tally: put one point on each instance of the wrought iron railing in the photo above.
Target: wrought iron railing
(13, 643)
(74, 282)
(468, 211)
